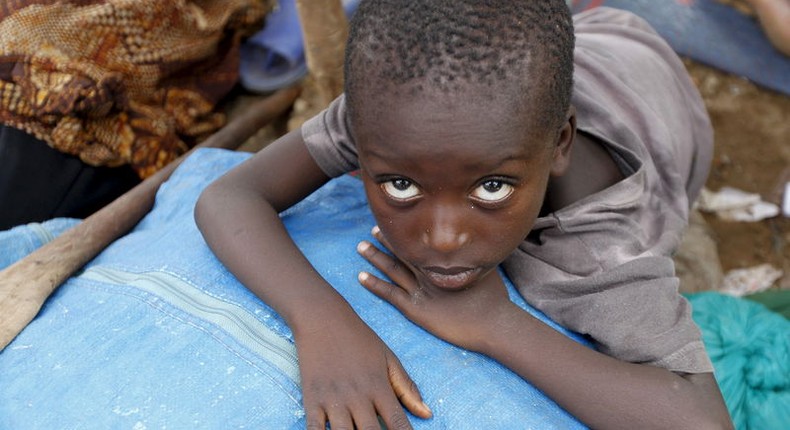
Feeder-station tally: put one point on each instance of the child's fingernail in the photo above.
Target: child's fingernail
(363, 246)
(363, 276)
(375, 230)
(427, 408)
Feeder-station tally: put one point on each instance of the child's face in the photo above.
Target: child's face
(455, 185)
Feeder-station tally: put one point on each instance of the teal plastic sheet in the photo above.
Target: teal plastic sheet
(750, 349)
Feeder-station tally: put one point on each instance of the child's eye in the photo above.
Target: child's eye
(400, 189)
(492, 191)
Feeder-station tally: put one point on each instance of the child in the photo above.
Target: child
(462, 117)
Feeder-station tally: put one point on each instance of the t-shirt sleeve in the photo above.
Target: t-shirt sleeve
(598, 268)
(329, 141)
(632, 312)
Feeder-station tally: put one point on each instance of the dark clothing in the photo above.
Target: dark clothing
(38, 183)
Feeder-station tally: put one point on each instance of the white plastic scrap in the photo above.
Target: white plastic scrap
(732, 204)
(786, 204)
(740, 282)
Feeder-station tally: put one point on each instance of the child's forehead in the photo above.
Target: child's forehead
(467, 127)
(412, 108)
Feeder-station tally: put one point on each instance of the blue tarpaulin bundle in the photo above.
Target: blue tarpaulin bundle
(155, 332)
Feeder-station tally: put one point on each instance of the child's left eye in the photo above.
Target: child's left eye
(492, 191)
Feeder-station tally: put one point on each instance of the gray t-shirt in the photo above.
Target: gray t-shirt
(602, 266)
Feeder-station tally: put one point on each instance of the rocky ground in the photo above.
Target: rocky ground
(752, 153)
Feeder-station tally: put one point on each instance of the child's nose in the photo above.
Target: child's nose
(445, 232)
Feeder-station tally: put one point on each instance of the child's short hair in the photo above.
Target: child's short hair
(523, 48)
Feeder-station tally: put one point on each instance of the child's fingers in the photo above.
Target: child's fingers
(367, 418)
(405, 389)
(384, 290)
(376, 232)
(340, 418)
(315, 418)
(393, 416)
(389, 265)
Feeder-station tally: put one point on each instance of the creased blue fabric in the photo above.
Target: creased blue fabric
(20, 241)
(108, 353)
(712, 32)
(274, 58)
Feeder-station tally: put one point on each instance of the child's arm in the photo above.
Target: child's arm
(601, 391)
(348, 374)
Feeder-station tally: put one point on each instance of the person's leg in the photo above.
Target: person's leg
(39, 183)
(774, 17)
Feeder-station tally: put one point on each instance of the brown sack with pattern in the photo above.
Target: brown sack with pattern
(121, 82)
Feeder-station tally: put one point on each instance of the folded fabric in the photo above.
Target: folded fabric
(750, 349)
(24, 239)
(273, 58)
(155, 333)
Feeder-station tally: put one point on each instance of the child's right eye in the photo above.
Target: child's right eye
(400, 189)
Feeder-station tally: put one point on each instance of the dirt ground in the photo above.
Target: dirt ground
(752, 153)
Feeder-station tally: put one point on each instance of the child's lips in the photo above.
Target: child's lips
(450, 278)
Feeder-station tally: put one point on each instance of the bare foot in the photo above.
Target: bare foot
(774, 16)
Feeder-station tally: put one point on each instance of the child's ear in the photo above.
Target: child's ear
(561, 158)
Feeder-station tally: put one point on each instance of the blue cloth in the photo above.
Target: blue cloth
(19, 241)
(273, 58)
(712, 33)
(155, 333)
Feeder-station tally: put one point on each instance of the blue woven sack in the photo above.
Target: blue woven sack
(155, 333)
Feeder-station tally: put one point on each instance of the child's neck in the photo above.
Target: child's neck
(591, 170)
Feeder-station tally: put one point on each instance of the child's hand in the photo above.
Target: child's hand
(464, 318)
(349, 376)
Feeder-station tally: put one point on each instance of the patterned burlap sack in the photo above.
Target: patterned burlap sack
(119, 81)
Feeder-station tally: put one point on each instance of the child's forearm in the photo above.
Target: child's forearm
(342, 363)
(599, 390)
(238, 216)
(247, 235)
